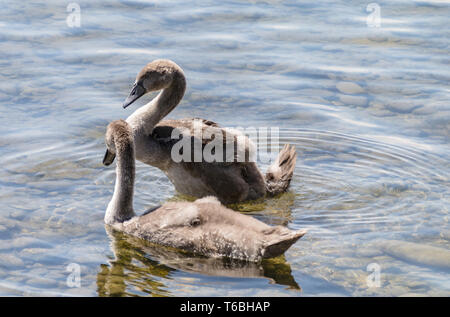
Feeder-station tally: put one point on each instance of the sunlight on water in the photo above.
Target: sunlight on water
(368, 109)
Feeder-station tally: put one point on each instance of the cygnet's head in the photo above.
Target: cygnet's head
(118, 138)
(154, 76)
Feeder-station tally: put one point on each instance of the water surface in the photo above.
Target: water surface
(366, 107)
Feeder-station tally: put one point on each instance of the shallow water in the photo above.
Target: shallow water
(367, 108)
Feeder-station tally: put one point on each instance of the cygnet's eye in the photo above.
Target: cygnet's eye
(195, 222)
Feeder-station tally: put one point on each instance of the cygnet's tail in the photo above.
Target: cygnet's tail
(281, 240)
(279, 174)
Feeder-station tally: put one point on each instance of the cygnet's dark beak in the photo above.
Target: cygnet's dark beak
(137, 92)
(108, 158)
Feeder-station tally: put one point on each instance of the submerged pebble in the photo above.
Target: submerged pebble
(445, 235)
(10, 260)
(349, 88)
(353, 100)
(29, 242)
(416, 253)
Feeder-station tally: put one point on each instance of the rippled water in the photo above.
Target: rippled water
(367, 108)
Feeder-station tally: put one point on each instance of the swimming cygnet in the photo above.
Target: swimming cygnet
(233, 178)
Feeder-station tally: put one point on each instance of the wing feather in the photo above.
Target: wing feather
(231, 140)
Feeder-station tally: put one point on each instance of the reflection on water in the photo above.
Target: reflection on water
(143, 267)
(367, 109)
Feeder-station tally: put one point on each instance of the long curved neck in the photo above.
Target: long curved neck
(148, 116)
(120, 208)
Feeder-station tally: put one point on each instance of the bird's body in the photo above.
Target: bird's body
(234, 181)
(207, 228)
(232, 178)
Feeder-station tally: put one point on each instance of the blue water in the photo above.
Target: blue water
(368, 109)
